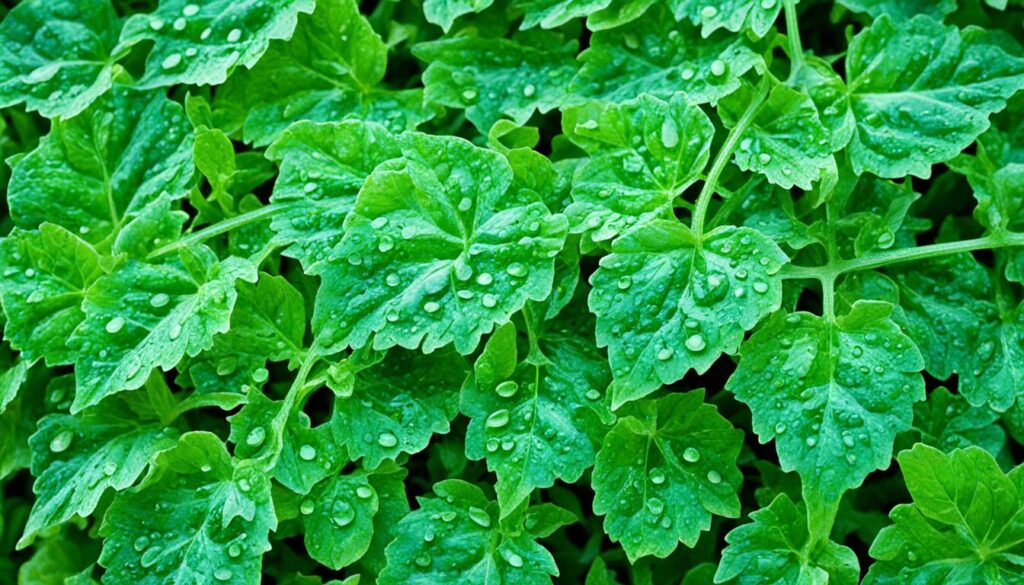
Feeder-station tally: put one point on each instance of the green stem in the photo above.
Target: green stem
(296, 393)
(160, 397)
(221, 227)
(536, 356)
(722, 159)
(224, 400)
(796, 49)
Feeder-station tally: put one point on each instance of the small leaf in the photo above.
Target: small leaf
(444, 12)
(338, 519)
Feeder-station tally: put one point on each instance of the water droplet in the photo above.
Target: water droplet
(624, 283)
(497, 419)
(768, 4)
(489, 301)
(657, 476)
(234, 35)
(485, 279)
(516, 269)
(765, 158)
(718, 68)
(811, 441)
(469, 95)
(687, 74)
(480, 517)
(529, 90)
(171, 61)
(255, 437)
(714, 477)
(175, 331)
(431, 307)
(669, 133)
(691, 455)
(307, 507)
(109, 468)
(205, 34)
(507, 389)
(515, 560)
(116, 324)
(387, 440)
(760, 287)
(655, 506)
(61, 441)
(234, 551)
(141, 543)
(780, 428)
(708, 12)
(593, 394)
(190, 10)
(695, 343)
(422, 560)
(222, 574)
(665, 353)
(307, 452)
(159, 300)
(363, 492)
(180, 24)
(344, 514)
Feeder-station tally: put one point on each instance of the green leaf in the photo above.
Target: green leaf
(555, 13)
(901, 9)
(396, 402)
(331, 69)
(643, 154)
(873, 214)
(921, 92)
(785, 141)
(444, 12)
(437, 250)
(77, 458)
(667, 303)
(44, 279)
(491, 77)
(827, 90)
(662, 472)
(540, 419)
(757, 16)
(963, 527)
(97, 173)
(201, 44)
(12, 377)
(323, 167)
(947, 421)
(392, 505)
(338, 519)
(57, 55)
(144, 316)
(456, 538)
(775, 548)
(659, 56)
(956, 313)
(59, 561)
(212, 517)
(833, 394)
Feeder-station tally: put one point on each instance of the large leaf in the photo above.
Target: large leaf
(663, 471)
(667, 302)
(921, 92)
(733, 15)
(832, 393)
(338, 519)
(437, 249)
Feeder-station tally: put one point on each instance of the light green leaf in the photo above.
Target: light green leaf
(901, 9)
(56, 56)
(964, 526)
(833, 394)
(77, 458)
(555, 13)
(43, 281)
(542, 418)
(667, 303)
(643, 154)
(757, 16)
(456, 538)
(437, 250)
(786, 141)
(921, 92)
(12, 377)
(323, 167)
(662, 472)
(947, 421)
(212, 515)
(98, 172)
(201, 44)
(144, 316)
(392, 505)
(659, 56)
(956, 312)
(396, 402)
(59, 561)
(331, 69)
(775, 548)
(444, 12)
(338, 519)
(618, 13)
(491, 77)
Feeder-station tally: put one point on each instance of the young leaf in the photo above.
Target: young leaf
(947, 421)
(387, 482)
(667, 303)
(659, 56)
(43, 282)
(77, 458)
(921, 92)
(144, 316)
(643, 154)
(456, 538)
(331, 69)
(57, 55)
(539, 419)
(338, 519)
(396, 402)
(963, 527)
(840, 391)
(200, 44)
(494, 77)
(196, 515)
(96, 173)
(776, 549)
(437, 250)
(663, 471)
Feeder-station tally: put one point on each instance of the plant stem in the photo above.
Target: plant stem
(724, 154)
(796, 49)
(221, 227)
